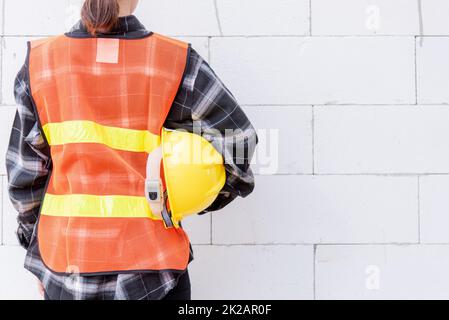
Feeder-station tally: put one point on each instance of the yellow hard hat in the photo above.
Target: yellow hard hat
(194, 172)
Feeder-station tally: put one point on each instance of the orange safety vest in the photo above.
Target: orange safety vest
(101, 120)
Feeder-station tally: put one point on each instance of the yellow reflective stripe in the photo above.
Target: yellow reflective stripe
(90, 132)
(92, 206)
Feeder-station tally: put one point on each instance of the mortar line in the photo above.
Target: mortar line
(421, 23)
(336, 244)
(208, 50)
(3, 17)
(310, 17)
(314, 271)
(217, 16)
(416, 72)
(410, 104)
(419, 209)
(313, 140)
(393, 175)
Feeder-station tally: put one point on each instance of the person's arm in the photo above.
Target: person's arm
(204, 102)
(27, 160)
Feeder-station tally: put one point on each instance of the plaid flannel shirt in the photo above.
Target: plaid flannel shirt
(202, 102)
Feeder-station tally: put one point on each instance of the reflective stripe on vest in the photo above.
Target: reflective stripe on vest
(91, 132)
(101, 121)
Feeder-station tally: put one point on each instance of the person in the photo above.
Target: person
(78, 96)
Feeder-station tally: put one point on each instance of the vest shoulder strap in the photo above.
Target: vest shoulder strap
(172, 41)
(34, 44)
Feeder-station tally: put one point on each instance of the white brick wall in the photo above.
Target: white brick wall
(286, 17)
(252, 272)
(433, 70)
(365, 17)
(322, 209)
(382, 272)
(357, 92)
(382, 139)
(317, 70)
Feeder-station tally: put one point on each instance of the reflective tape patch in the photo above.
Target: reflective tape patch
(91, 132)
(108, 50)
(84, 205)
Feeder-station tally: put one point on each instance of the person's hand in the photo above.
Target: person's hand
(40, 287)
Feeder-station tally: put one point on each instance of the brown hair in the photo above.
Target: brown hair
(100, 16)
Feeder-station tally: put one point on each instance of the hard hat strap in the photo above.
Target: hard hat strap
(167, 218)
(154, 192)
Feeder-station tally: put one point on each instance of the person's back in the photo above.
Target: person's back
(92, 111)
(101, 95)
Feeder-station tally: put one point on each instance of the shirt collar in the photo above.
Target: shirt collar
(128, 27)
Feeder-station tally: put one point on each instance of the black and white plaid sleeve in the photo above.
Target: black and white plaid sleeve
(27, 160)
(205, 104)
